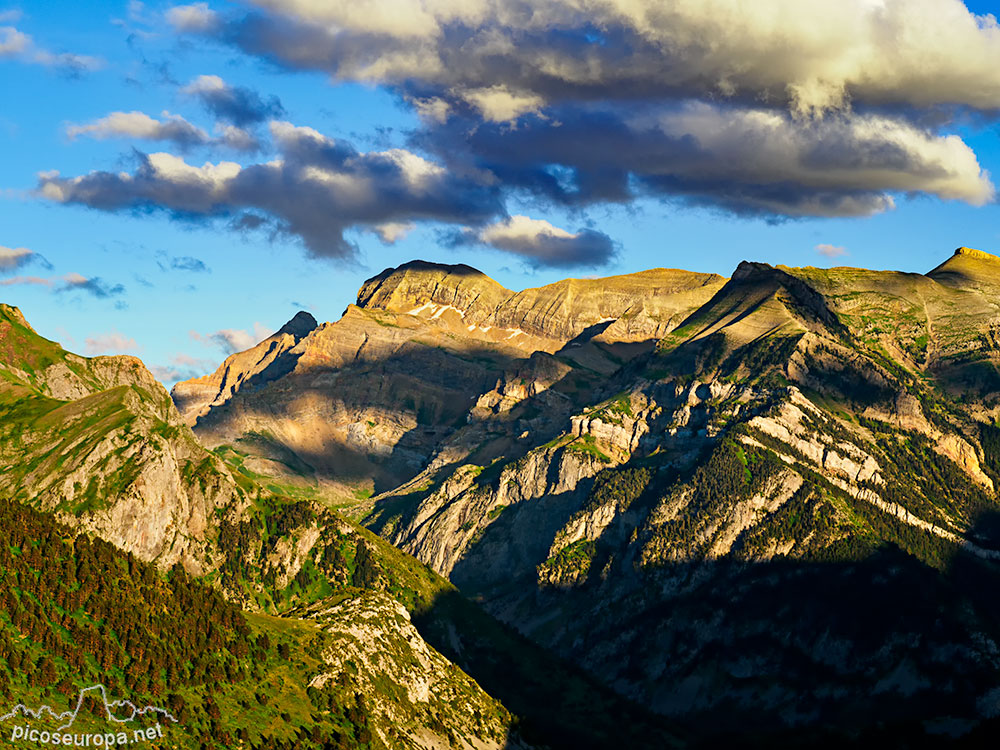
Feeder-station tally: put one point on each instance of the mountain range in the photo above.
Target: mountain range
(665, 508)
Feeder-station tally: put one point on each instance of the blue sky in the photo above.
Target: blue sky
(150, 265)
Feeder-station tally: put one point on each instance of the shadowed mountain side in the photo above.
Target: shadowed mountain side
(374, 419)
(269, 360)
(364, 403)
(560, 706)
(782, 457)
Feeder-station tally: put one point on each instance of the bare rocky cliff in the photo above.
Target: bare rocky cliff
(426, 350)
(807, 438)
(269, 360)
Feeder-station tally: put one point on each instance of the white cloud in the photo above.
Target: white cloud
(112, 342)
(186, 360)
(431, 109)
(29, 280)
(544, 244)
(181, 367)
(197, 17)
(13, 42)
(315, 190)
(237, 105)
(581, 102)
(236, 138)
(13, 258)
(172, 128)
(831, 251)
(743, 159)
(392, 231)
(811, 56)
(20, 46)
(140, 125)
(519, 229)
(500, 104)
(94, 286)
(205, 84)
(860, 153)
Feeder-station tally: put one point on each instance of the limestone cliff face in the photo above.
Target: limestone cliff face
(633, 307)
(762, 466)
(418, 283)
(636, 307)
(427, 349)
(372, 636)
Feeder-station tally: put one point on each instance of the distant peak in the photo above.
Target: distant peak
(15, 314)
(299, 326)
(968, 266)
(978, 254)
(419, 281)
(425, 266)
(750, 269)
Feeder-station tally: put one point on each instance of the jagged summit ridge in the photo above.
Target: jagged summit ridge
(270, 359)
(299, 326)
(560, 311)
(968, 267)
(978, 254)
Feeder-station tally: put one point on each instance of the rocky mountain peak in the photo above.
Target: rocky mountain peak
(968, 267)
(14, 314)
(419, 282)
(750, 270)
(299, 326)
(272, 358)
(978, 254)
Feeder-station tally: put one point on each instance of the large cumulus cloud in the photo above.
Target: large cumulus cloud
(810, 56)
(778, 108)
(744, 159)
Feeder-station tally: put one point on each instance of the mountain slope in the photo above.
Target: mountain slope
(111, 459)
(80, 612)
(267, 361)
(99, 442)
(427, 349)
(803, 443)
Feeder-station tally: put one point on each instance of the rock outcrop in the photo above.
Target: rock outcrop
(362, 404)
(800, 429)
(269, 360)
